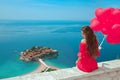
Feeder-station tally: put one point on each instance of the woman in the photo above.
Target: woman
(88, 51)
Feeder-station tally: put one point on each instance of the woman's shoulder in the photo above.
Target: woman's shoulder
(83, 41)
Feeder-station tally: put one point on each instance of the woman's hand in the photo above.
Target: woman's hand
(76, 61)
(99, 48)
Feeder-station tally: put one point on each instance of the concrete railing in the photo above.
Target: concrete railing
(108, 70)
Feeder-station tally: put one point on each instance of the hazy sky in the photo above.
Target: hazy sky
(52, 9)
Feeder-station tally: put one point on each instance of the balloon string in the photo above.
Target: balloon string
(102, 40)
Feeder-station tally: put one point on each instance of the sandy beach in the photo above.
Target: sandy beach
(42, 66)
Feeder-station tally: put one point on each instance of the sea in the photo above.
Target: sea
(64, 36)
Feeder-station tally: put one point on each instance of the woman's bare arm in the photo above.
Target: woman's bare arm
(78, 59)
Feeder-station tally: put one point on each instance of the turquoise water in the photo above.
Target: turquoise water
(64, 36)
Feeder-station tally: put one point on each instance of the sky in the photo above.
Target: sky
(52, 9)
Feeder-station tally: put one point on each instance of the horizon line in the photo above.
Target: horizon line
(37, 20)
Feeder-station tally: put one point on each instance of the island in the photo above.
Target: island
(36, 53)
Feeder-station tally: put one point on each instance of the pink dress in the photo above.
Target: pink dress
(86, 63)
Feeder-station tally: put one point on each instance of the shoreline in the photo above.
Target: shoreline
(42, 66)
(39, 69)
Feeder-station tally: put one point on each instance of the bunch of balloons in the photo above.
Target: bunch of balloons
(107, 21)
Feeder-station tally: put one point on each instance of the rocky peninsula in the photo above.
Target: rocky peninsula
(37, 52)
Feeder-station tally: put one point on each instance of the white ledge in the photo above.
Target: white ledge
(110, 71)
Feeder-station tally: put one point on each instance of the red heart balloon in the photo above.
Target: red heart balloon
(114, 36)
(95, 24)
(116, 16)
(113, 39)
(116, 30)
(104, 15)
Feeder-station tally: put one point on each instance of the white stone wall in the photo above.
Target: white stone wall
(110, 71)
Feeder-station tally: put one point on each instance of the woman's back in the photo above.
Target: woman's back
(86, 63)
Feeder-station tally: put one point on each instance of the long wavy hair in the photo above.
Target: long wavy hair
(91, 41)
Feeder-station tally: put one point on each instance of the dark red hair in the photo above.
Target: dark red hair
(91, 41)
